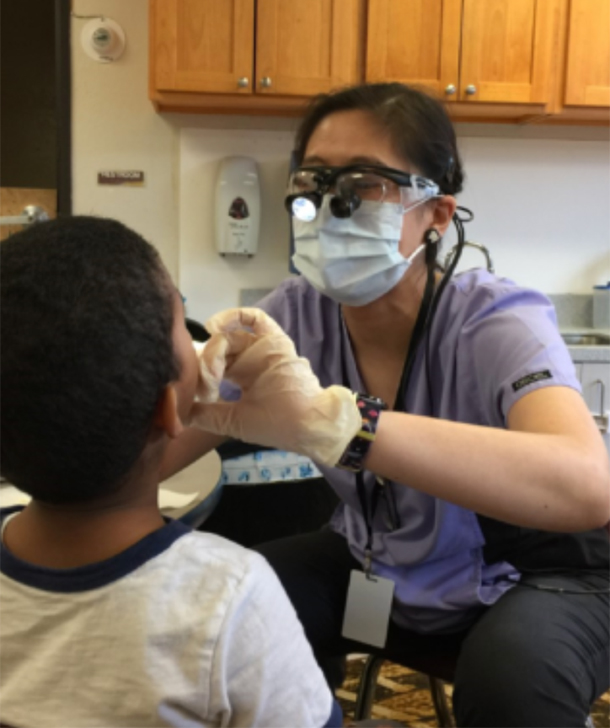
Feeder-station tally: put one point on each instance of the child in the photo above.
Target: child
(110, 615)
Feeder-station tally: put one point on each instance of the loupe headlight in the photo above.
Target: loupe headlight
(303, 206)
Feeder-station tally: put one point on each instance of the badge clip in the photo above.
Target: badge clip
(368, 564)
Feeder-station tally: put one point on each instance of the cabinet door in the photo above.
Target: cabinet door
(415, 42)
(588, 67)
(508, 50)
(202, 45)
(305, 47)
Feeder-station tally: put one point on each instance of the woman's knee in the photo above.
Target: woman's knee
(513, 681)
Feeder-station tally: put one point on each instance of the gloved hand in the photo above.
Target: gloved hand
(282, 404)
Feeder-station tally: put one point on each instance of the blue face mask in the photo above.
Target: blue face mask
(353, 260)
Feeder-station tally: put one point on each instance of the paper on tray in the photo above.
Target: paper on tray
(171, 499)
(11, 496)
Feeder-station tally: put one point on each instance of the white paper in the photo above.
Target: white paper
(11, 496)
(170, 499)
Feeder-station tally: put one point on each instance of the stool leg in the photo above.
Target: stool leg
(439, 698)
(366, 689)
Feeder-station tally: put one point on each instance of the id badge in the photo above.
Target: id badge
(367, 610)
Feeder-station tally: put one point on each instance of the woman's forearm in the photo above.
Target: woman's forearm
(546, 480)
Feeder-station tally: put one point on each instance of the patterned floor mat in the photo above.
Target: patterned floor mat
(404, 696)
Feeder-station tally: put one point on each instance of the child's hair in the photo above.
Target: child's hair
(86, 349)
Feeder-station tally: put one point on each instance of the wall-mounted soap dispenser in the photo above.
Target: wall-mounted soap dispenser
(237, 206)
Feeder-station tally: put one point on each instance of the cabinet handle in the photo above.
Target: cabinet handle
(471, 90)
(243, 82)
(602, 418)
(450, 90)
(266, 82)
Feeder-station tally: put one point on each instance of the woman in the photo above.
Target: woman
(484, 471)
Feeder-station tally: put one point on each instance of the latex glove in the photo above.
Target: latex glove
(282, 404)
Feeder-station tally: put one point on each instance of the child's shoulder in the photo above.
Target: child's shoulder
(214, 563)
(204, 580)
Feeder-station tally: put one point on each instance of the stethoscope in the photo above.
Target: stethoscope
(423, 324)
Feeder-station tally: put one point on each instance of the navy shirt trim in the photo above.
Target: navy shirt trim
(335, 719)
(91, 576)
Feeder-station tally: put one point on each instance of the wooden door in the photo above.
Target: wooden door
(508, 50)
(306, 47)
(415, 42)
(202, 45)
(588, 64)
(33, 78)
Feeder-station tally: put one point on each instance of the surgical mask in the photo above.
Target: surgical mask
(352, 260)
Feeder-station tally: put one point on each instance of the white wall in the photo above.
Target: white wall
(115, 127)
(211, 282)
(542, 208)
(541, 195)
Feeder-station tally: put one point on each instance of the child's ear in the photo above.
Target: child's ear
(166, 416)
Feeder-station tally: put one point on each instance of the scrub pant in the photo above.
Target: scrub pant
(534, 658)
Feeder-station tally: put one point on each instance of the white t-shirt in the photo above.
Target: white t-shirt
(182, 629)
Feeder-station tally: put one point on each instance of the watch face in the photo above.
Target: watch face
(373, 400)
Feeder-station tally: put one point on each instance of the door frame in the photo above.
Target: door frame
(63, 107)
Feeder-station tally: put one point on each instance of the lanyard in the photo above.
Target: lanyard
(383, 486)
(368, 517)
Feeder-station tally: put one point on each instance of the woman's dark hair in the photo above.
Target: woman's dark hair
(86, 350)
(418, 125)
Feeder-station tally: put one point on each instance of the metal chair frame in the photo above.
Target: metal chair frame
(368, 683)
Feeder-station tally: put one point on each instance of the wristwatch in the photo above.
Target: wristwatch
(370, 409)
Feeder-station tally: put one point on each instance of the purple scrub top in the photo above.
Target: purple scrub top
(492, 342)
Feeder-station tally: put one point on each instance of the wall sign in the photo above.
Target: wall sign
(132, 178)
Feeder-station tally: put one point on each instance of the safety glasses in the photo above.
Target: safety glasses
(350, 186)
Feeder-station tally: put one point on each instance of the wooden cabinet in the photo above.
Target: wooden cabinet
(582, 77)
(202, 46)
(415, 42)
(588, 54)
(254, 49)
(544, 61)
(469, 51)
(306, 48)
(507, 51)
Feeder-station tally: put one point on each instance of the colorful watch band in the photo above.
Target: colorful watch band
(370, 409)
